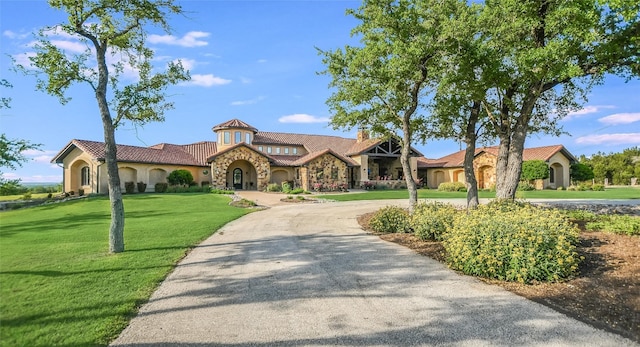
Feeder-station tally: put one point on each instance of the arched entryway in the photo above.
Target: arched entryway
(485, 175)
(556, 175)
(80, 177)
(241, 174)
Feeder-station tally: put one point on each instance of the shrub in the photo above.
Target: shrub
(161, 187)
(80, 192)
(431, 221)
(26, 196)
(534, 170)
(142, 187)
(452, 187)
(617, 224)
(513, 242)
(297, 191)
(205, 183)
(129, 187)
(274, 187)
(390, 219)
(286, 187)
(584, 187)
(180, 177)
(560, 188)
(572, 188)
(49, 196)
(598, 187)
(220, 191)
(581, 215)
(525, 186)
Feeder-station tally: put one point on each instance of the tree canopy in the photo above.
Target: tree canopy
(618, 168)
(114, 34)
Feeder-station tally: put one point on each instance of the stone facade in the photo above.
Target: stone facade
(327, 170)
(222, 166)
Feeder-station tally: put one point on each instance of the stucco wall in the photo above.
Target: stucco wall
(562, 179)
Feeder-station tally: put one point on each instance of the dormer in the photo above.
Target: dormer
(233, 132)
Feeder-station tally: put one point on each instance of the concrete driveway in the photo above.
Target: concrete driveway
(307, 275)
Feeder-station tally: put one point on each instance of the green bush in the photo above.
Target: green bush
(598, 187)
(617, 224)
(513, 242)
(180, 177)
(581, 215)
(525, 186)
(297, 191)
(221, 191)
(431, 221)
(286, 187)
(130, 187)
(274, 187)
(572, 188)
(452, 187)
(534, 170)
(142, 187)
(390, 219)
(161, 187)
(584, 187)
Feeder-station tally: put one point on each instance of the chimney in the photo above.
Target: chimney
(363, 135)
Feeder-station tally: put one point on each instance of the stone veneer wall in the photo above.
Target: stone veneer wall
(490, 175)
(221, 163)
(325, 163)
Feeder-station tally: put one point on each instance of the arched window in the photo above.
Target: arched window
(85, 175)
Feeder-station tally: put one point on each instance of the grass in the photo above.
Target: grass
(609, 193)
(20, 196)
(60, 286)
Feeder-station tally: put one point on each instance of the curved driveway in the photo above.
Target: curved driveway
(308, 275)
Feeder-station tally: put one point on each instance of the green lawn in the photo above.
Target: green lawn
(20, 196)
(610, 193)
(59, 285)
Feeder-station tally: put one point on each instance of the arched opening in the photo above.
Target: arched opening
(458, 176)
(556, 175)
(279, 176)
(157, 176)
(241, 174)
(485, 177)
(80, 177)
(127, 174)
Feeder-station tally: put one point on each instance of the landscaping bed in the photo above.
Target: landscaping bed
(604, 294)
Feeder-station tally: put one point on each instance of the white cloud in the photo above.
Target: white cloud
(621, 118)
(247, 102)
(71, 46)
(190, 39)
(33, 178)
(13, 35)
(208, 80)
(302, 118)
(610, 139)
(587, 110)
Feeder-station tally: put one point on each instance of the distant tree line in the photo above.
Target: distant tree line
(618, 168)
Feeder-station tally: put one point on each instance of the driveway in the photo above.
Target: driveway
(307, 275)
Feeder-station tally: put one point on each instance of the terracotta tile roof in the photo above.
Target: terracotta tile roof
(164, 153)
(211, 156)
(360, 147)
(312, 143)
(457, 159)
(234, 123)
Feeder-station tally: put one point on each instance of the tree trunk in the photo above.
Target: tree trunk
(406, 165)
(116, 229)
(469, 154)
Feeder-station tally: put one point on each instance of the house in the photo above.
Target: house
(450, 168)
(242, 157)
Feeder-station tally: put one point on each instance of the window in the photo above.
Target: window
(260, 149)
(297, 174)
(286, 150)
(552, 175)
(295, 150)
(268, 149)
(85, 175)
(220, 138)
(247, 138)
(334, 173)
(237, 137)
(227, 138)
(319, 173)
(277, 150)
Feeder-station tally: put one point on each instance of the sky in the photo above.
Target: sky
(252, 60)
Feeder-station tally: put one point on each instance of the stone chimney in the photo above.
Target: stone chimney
(363, 135)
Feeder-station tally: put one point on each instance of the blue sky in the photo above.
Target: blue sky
(252, 60)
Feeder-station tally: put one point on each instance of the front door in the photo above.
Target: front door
(237, 178)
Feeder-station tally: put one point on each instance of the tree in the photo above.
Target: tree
(381, 85)
(618, 168)
(115, 29)
(551, 53)
(11, 151)
(581, 172)
(180, 177)
(534, 170)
